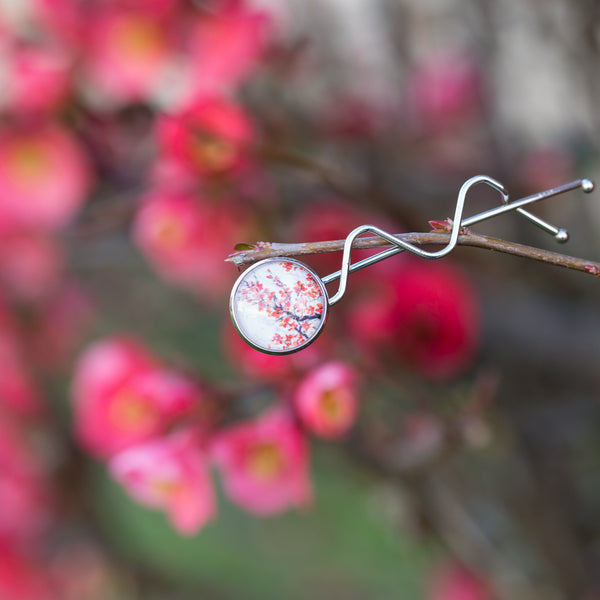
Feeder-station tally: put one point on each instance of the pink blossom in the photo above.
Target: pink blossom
(426, 316)
(454, 582)
(211, 137)
(38, 80)
(225, 47)
(44, 177)
(169, 474)
(123, 396)
(128, 54)
(268, 367)
(327, 399)
(443, 91)
(23, 576)
(185, 238)
(264, 464)
(63, 20)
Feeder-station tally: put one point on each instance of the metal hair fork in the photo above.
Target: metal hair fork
(279, 305)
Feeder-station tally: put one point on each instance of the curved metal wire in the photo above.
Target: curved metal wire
(399, 245)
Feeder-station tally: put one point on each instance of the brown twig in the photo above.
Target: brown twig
(270, 249)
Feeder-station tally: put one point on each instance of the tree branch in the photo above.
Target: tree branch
(262, 250)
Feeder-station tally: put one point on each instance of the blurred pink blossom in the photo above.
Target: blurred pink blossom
(443, 91)
(212, 136)
(225, 47)
(327, 399)
(128, 53)
(264, 464)
(123, 396)
(186, 238)
(38, 80)
(454, 582)
(22, 576)
(170, 474)
(428, 317)
(44, 177)
(268, 367)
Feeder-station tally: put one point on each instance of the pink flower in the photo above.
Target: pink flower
(455, 582)
(327, 399)
(211, 137)
(264, 464)
(443, 91)
(129, 52)
(225, 46)
(44, 177)
(169, 474)
(186, 238)
(63, 19)
(123, 396)
(38, 80)
(23, 577)
(425, 315)
(267, 367)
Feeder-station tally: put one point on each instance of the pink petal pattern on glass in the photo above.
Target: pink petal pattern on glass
(279, 306)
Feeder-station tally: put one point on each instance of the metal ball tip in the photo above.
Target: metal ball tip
(587, 185)
(562, 236)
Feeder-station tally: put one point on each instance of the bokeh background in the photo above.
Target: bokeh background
(472, 469)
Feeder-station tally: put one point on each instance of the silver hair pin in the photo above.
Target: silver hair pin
(280, 305)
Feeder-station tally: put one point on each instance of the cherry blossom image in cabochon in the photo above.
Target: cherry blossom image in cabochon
(279, 305)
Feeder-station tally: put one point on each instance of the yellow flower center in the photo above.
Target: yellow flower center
(132, 412)
(29, 162)
(168, 232)
(331, 405)
(212, 152)
(137, 37)
(265, 461)
(167, 487)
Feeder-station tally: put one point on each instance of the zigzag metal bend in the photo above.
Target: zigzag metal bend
(399, 245)
(279, 305)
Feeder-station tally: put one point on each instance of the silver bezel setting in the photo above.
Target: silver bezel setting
(246, 336)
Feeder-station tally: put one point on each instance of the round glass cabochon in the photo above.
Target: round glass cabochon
(279, 305)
